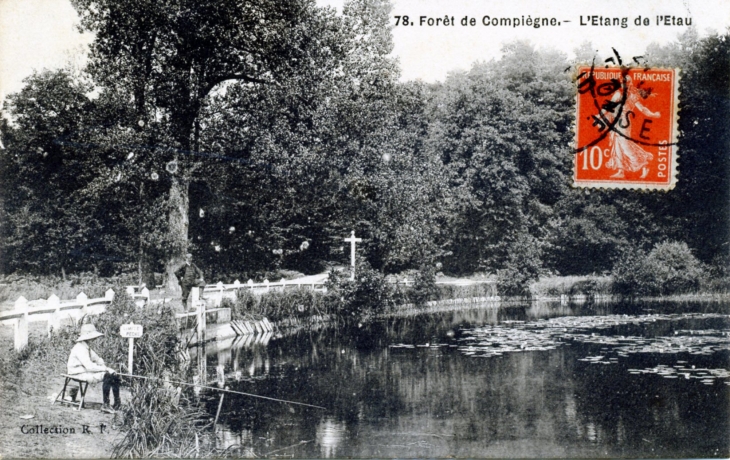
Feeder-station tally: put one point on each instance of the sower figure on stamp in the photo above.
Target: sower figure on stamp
(85, 364)
(626, 154)
(189, 276)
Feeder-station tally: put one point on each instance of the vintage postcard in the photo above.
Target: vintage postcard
(364, 229)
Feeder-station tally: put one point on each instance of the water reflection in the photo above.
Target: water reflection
(429, 399)
(330, 433)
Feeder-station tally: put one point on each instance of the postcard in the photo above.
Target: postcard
(364, 229)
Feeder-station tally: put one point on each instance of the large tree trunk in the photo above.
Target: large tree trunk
(178, 222)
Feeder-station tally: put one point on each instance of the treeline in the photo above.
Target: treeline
(263, 146)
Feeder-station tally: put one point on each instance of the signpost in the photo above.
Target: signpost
(131, 331)
(352, 240)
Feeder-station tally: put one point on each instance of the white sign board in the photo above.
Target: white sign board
(131, 330)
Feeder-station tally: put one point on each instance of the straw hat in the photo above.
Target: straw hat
(88, 332)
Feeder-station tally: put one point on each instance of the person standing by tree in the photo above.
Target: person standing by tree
(189, 276)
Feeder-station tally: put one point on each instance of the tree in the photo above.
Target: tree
(502, 130)
(698, 208)
(168, 56)
(46, 228)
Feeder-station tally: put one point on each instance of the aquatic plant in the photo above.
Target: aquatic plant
(162, 421)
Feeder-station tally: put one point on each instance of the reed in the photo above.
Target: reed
(161, 422)
(555, 286)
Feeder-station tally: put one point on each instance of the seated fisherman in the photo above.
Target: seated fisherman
(86, 365)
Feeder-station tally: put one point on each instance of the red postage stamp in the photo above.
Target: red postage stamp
(626, 128)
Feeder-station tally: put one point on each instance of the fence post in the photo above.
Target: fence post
(250, 284)
(237, 284)
(146, 294)
(130, 291)
(266, 283)
(109, 295)
(195, 292)
(21, 324)
(54, 323)
(220, 288)
(84, 301)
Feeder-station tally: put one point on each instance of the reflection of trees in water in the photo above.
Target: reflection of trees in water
(650, 415)
(437, 401)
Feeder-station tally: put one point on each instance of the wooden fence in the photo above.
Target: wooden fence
(53, 310)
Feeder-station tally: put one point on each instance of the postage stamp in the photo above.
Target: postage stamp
(626, 128)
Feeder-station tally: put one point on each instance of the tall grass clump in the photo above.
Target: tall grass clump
(555, 286)
(160, 340)
(161, 420)
(278, 305)
(451, 291)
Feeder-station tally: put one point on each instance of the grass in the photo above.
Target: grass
(41, 287)
(555, 286)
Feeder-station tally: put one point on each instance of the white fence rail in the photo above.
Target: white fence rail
(53, 310)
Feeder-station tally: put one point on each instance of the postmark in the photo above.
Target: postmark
(626, 128)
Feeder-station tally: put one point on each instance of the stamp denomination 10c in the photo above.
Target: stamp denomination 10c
(626, 128)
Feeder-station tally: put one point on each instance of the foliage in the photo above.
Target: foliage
(523, 266)
(42, 287)
(424, 286)
(157, 348)
(448, 291)
(555, 286)
(501, 131)
(369, 293)
(270, 132)
(277, 305)
(670, 268)
(159, 422)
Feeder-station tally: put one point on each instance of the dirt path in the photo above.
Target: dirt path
(31, 395)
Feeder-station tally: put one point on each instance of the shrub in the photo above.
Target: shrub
(523, 266)
(369, 293)
(424, 286)
(160, 341)
(670, 268)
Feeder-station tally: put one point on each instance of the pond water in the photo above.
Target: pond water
(538, 380)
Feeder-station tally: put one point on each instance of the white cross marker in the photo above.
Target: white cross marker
(352, 240)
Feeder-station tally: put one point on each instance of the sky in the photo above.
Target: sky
(38, 34)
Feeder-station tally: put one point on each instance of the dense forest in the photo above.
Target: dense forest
(258, 137)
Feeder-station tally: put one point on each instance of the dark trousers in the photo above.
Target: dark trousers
(186, 288)
(110, 382)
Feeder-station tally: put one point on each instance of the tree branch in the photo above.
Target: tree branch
(233, 76)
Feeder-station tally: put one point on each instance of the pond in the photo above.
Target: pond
(536, 380)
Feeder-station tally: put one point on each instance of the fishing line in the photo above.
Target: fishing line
(223, 389)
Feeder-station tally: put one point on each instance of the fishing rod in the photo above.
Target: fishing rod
(224, 390)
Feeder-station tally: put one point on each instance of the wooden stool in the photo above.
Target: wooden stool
(83, 385)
